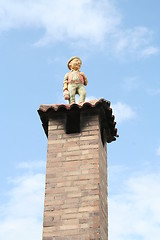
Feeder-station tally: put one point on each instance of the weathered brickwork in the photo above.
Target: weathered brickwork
(76, 181)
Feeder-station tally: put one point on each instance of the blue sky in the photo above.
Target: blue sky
(118, 42)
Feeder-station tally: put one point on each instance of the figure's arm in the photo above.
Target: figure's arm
(65, 82)
(85, 79)
(65, 87)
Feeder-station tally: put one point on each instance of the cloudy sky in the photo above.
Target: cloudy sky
(119, 43)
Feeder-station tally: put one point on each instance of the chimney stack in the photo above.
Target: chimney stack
(76, 173)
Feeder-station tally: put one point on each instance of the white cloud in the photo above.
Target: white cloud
(21, 215)
(32, 165)
(131, 83)
(123, 112)
(63, 20)
(90, 98)
(84, 23)
(158, 151)
(136, 40)
(134, 212)
(150, 51)
(132, 38)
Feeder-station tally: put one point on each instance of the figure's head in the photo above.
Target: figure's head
(74, 63)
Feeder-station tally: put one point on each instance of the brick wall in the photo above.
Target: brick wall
(76, 181)
(103, 190)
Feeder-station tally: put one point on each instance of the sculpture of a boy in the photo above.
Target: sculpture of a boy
(74, 81)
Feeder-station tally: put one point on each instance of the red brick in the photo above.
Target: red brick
(76, 182)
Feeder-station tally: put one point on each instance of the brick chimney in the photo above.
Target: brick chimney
(76, 174)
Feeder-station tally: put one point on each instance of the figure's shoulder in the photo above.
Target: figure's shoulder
(66, 75)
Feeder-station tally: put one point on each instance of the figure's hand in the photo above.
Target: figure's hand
(66, 94)
(83, 75)
(85, 82)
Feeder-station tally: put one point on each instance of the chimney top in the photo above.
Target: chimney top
(102, 106)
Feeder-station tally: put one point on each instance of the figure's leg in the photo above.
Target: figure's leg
(82, 93)
(72, 92)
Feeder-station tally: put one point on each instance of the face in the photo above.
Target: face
(75, 64)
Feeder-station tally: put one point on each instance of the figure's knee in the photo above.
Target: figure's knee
(72, 96)
(82, 95)
(82, 92)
